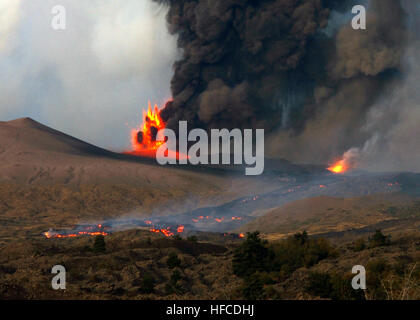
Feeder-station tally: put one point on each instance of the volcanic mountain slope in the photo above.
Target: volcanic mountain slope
(36, 154)
(324, 214)
(50, 179)
(31, 153)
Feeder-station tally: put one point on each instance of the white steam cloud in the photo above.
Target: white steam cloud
(92, 79)
(9, 16)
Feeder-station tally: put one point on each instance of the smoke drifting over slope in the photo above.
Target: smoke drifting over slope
(288, 66)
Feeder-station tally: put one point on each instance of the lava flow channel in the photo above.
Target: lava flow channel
(167, 232)
(86, 231)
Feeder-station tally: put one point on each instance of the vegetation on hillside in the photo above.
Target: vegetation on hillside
(141, 265)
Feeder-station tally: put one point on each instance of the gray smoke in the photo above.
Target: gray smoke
(297, 69)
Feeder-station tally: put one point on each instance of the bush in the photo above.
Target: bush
(173, 286)
(298, 251)
(173, 261)
(332, 286)
(401, 265)
(256, 262)
(254, 255)
(317, 250)
(99, 244)
(359, 245)
(376, 271)
(319, 284)
(147, 284)
(252, 288)
(251, 256)
(379, 239)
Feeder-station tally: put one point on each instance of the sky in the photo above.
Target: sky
(91, 80)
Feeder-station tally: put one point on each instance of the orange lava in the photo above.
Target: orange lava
(143, 139)
(339, 167)
(165, 232)
(49, 235)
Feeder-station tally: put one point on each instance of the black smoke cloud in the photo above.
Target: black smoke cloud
(268, 64)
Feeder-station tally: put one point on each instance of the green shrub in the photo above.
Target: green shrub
(252, 288)
(359, 245)
(147, 284)
(301, 238)
(99, 244)
(316, 250)
(173, 261)
(377, 266)
(258, 263)
(176, 276)
(251, 256)
(379, 239)
(376, 272)
(298, 251)
(332, 286)
(401, 265)
(319, 284)
(174, 286)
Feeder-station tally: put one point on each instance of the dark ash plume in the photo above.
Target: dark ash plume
(268, 64)
(238, 59)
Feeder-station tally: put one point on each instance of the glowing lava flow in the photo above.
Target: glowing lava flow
(87, 231)
(95, 230)
(167, 231)
(50, 235)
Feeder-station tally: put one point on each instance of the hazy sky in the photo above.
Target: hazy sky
(92, 79)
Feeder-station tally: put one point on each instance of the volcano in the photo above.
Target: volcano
(64, 181)
(32, 153)
(54, 172)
